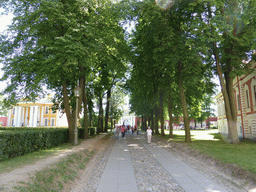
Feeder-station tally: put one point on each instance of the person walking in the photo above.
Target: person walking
(123, 131)
(149, 134)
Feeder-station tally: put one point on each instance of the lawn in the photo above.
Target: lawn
(13, 163)
(211, 143)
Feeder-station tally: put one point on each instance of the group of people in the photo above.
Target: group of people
(120, 131)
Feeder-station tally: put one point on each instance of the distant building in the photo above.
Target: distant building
(245, 95)
(180, 124)
(38, 114)
(3, 121)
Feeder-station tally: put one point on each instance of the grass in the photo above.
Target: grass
(29, 158)
(210, 142)
(13, 163)
(54, 179)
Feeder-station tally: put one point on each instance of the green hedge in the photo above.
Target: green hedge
(18, 141)
(91, 131)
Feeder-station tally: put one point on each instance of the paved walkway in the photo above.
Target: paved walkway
(133, 152)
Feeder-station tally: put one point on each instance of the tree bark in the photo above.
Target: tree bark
(83, 82)
(161, 109)
(170, 116)
(100, 117)
(70, 116)
(184, 106)
(152, 120)
(156, 119)
(107, 110)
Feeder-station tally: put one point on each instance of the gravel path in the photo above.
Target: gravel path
(150, 174)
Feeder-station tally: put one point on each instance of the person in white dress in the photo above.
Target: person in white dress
(149, 134)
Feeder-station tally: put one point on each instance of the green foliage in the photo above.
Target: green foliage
(3, 108)
(19, 141)
(91, 131)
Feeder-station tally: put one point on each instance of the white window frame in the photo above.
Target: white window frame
(254, 94)
(247, 98)
(238, 102)
(45, 121)
(47, 110)
(52, 124)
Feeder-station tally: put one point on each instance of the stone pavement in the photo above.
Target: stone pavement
(133, 165)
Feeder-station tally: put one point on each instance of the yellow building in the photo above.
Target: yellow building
(38, 114)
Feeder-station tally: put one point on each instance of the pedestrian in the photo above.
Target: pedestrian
(149, 134)
(123, 131)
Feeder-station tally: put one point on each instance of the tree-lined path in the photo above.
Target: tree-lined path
(133, 165)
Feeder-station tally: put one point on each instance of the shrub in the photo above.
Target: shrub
(18, 141)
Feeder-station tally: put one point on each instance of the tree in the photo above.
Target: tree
(55, 44)
(231, 28)
(3, 108)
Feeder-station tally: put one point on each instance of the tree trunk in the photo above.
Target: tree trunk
(170, 116)
(228, 93)
(142, 122)
(184, 107)
(70, 116)
(161, 109)
(208, 123)
(152, 120)
(156, 119)
(83, 81)
(100, 115)
(107, 110)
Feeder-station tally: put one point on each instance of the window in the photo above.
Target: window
(254, 91)
(12, 123)
(238, 103)
(45, 122)
(247, 98)
(52, 122)
(46, 110)
(13, 111)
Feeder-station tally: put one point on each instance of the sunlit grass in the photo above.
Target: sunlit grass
(210, 142)
(13, 163)
(54, 178)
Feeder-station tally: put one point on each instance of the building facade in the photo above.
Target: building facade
(245, 95)
(38, 114)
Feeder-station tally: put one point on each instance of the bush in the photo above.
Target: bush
(91, 131)
(19, 141)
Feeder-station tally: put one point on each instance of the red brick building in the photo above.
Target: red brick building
(3, 121)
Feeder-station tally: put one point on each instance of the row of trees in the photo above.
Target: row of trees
(174, 53)
(61, 44)
(177, 50)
